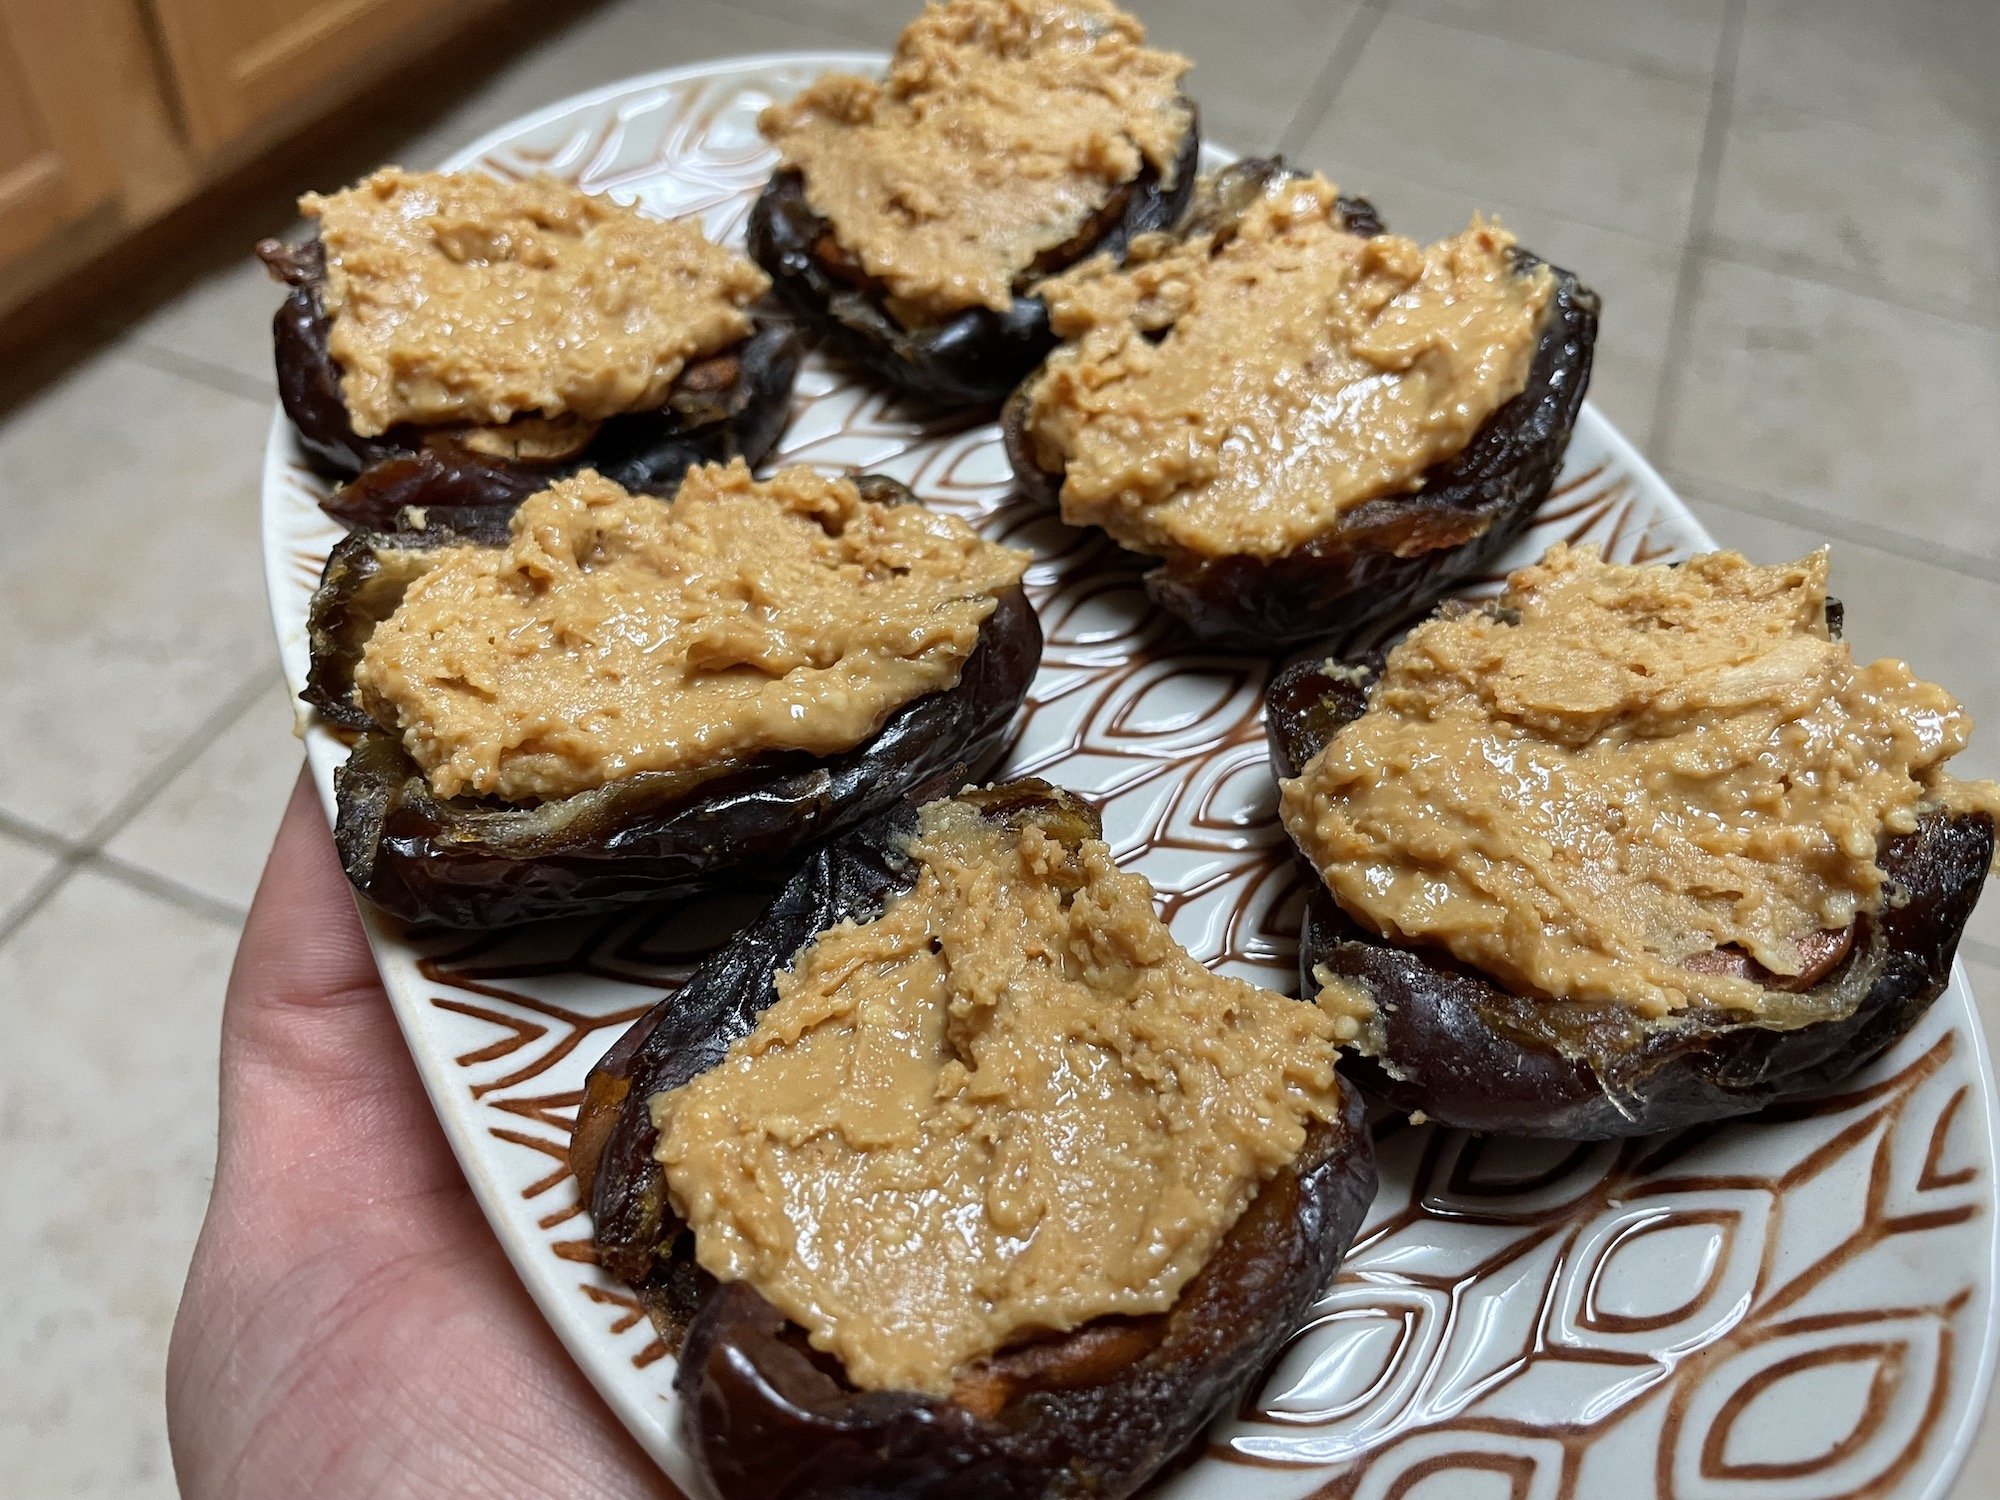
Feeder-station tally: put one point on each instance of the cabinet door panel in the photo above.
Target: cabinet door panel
(243, 67)
(53, 166)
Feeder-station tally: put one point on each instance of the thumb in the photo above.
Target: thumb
(314, 1070)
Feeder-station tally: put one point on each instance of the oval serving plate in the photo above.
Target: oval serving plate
(1800, 1306)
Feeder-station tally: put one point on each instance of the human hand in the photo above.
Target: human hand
(350, 1325)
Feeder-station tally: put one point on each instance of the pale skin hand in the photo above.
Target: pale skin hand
(350, 1326)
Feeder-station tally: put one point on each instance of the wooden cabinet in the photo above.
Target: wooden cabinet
(240, 67)
(115, 115)
(54, 167)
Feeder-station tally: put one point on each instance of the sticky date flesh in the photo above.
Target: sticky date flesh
(1093, 1412)
(1385, 558)
(478, 862)
(1467, 1052)
(975, 356)
(731, 404)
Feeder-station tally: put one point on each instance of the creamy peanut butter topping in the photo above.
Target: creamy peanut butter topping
(616, 634)
(1622, 770)
(454, 297)
(1347, 1002)
(1009, 1105)
(1235, 391)
(1002, 131)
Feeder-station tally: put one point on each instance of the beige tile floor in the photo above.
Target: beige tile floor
(1790, 205)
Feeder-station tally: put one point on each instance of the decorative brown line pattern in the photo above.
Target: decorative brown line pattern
(1519, 1472)
(1932, 1176)
(1888, 1360)
(1639, 1197)
(1597, 1319)
(1557, 1320)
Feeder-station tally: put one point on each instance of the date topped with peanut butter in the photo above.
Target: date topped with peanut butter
(1007, 1106)
(616, 634)
(1003, 130)
(453, 297)
(1234, 391)
(1597, 786)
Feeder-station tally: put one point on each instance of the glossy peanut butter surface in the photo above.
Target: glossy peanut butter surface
(1621, 769)
(617, 633)
(457, 298)
(1009, 1105)
(1235, 391)
(1002, 129)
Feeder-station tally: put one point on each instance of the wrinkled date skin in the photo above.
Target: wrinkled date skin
(1467, 1053)
(1093, 1412)
(477, 862)
(1389, 557)
(975, 357)
(732, 404)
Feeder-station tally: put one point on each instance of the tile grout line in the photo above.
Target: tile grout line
(1332, 75)
(1965, 315)
(163, 886)
(219, 378)
(1567, 215)
(47, 840)
(1701, 222)
(1658, 72)
(124, 873)
(87, 852)
(174, 762)
(1858, 533)
(16, 917)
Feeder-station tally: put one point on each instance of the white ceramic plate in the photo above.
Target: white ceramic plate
(1800, 1306)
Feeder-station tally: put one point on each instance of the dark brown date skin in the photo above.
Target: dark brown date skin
(478, 862)
(976, 356)
(1466, 1052)
(1094, 1412)
(732, 404)
(1389, 557)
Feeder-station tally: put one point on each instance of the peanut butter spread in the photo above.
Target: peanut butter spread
(616, 634)
(1235, 391)
(454, 297)
(1009, 1105)
(1622, 769)
(1002, 131)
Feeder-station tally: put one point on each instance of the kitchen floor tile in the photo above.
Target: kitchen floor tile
(111, 1001)
(1253, 69)
(1591, 141)
(1635, 277)
(1843, 403)
(221, 326)
(1909, 218)
(211, 826)
(1674, 38)
(131, 589)
(22, 866)
(1984, 976)
(1909, 68)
